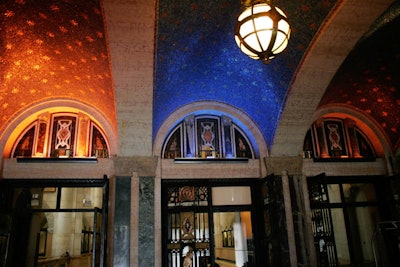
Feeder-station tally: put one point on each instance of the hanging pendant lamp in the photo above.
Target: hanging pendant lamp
(262, 31)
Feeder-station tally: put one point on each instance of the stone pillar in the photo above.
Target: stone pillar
(302, 220)
(130, 27)
(293, 201)
(308, 231)
(146, 221)
(289, 218)
(122, 216)
(134, 224)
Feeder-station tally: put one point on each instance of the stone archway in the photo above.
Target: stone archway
(211, 107)
(17, 124)
(344, 27)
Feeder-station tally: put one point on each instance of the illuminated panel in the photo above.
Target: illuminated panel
(232, 195)
(61, 135)
(83, 135)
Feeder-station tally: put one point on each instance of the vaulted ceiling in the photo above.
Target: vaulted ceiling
(368, 80)
(58, 49)
(53, 50)
(197, 60)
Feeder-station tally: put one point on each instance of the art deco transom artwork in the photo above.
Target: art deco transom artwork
(207, 136)
(62, 135)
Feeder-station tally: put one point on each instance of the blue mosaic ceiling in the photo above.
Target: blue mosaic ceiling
(197, 59)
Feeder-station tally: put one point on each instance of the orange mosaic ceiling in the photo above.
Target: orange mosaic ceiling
(368, 80)
(53, 50)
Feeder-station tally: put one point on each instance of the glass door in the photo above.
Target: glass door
(345, 214)
(55, 222)
(208, 223)
(186, 226)
(233, 239)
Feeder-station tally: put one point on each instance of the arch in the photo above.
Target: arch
(344, 27)
(21, 120)
(213, 108)
(366, 124)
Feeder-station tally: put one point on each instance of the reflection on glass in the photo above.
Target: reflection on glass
(81, 198)
(362, 224)
(353, 223)
(56, 237)
(40, 198)
(233, 237)
(358, 236)
(231, 195)
(50, 197)
(359, 192)
(71, 198)
(334, 193)
(339, 228)
(42, 242)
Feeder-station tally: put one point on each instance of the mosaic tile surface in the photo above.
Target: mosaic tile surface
(53, 49)
(198, 59)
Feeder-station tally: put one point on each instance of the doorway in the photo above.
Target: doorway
(345, 214)
(209, 223)
(233, 238)
(54, 222)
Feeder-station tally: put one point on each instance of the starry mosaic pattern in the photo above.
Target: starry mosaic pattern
(198, 60)
(369, 81)
(53, 49)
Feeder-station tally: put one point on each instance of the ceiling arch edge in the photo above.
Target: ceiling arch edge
(365, 123)
(368, 126)
(214, 108)
(342, 30)
(25, 117)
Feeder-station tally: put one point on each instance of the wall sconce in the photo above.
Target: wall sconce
(262, 30)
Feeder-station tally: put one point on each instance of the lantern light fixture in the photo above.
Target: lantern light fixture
(262, 30)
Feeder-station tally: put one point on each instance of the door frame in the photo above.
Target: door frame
(255, 208)
(384, 203)
(7, 190)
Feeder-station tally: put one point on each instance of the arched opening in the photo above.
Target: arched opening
(88, 123)
(337, 138)
(207, 220)
(207, 136)
(211, 108)
(62, 134)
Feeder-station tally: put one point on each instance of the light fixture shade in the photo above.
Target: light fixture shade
(262, 31)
